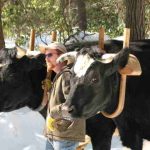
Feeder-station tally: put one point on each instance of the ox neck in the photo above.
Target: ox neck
(114, 97)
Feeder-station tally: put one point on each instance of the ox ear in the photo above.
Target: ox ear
(118, 61)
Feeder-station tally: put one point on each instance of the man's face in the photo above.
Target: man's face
(51, 57)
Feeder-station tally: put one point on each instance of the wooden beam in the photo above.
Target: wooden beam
(123, 79)
(126, 37)
(32, 40)
(101, 38)
(54, 36)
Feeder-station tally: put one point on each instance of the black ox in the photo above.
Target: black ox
(95, 87)
(20, 80)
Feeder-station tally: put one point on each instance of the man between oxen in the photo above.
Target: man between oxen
(61, 133)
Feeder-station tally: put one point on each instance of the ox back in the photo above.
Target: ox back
(20, 80)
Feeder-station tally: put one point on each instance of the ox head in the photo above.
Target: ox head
(21, 80)
(93, 81)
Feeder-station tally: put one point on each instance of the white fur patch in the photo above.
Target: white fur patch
(146, 145)
(82, 64)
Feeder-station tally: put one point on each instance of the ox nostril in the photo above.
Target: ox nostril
(71, 109)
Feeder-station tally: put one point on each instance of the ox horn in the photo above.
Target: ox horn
(70, 57)
(107, 58)
(20, 51)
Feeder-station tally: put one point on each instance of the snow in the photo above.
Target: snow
(119, 38)
(9, 43)
(22, 130)
(84, 37)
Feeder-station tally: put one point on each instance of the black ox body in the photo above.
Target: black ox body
(98, 90)
(20, 80)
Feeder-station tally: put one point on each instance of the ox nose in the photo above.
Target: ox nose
(66, 112)
(71, 109)
(68, 109)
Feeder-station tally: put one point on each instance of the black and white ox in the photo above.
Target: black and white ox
(95, 84)
(20, 80)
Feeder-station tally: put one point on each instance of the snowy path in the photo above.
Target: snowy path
(23, 130)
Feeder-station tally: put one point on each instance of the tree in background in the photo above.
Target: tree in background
(147, 18)
(19, 17)
(81, 11)
(105, 13)
(2, 43)
(135, 18)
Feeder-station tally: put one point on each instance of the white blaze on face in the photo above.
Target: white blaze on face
(82, 64)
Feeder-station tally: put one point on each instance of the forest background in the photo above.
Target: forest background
(18, 17)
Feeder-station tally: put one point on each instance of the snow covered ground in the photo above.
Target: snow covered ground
(115, 145)
(22, 129)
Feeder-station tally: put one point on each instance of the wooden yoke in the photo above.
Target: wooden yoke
(54, 36)
(126, 39)
(32, 40)
(122, 82)
(101, 39)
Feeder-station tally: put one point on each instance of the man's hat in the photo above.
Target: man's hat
(55, 45)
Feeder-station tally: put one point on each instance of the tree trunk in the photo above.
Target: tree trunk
(135, 15)
(2, 43)
(82, 20)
